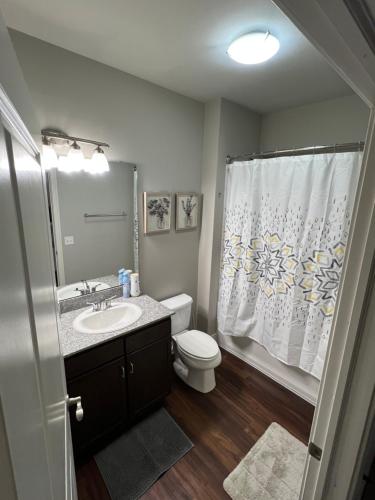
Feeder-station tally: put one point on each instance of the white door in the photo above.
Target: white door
(32, 378)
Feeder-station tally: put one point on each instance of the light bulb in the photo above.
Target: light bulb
(253, 48)
(64, 165)
(99, 162)
(49, 156)
(75, 158)
(87, 165)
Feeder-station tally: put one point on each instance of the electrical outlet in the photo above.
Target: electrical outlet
(69, 240)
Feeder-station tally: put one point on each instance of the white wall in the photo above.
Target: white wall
(158, 130)
(322, 123)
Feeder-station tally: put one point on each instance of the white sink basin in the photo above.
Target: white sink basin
(69, 291)
(113, 319)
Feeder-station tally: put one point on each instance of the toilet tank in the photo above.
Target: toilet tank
(181, 305)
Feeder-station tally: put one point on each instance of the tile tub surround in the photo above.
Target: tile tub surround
(72, 342)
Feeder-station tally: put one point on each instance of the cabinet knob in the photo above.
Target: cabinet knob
(131, 367)
(123, 372)
(78, 404)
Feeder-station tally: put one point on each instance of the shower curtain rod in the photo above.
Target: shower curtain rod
(336, 148)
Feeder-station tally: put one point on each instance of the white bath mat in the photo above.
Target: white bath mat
(272, 470)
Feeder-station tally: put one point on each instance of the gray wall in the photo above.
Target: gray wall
(229, 128)
(327, 122)
(13, 82)
(101, 245)
(158, 130)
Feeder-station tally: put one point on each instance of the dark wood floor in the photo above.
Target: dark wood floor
(223, 426)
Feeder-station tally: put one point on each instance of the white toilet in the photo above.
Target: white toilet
(196, 353)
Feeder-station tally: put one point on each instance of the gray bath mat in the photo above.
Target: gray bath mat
(132, 463)
(272, 470)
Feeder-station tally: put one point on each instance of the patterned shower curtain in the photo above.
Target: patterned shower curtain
(286, 225)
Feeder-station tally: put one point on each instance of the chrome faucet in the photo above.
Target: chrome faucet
(96, 306)
(85, 290)
(108, 302)
(102, 305)
(86, 286)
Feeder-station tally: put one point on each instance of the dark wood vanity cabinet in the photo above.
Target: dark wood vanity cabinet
(118, 382)
(148, 375)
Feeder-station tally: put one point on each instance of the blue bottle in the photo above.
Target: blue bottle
(121, 276)
(126, 285)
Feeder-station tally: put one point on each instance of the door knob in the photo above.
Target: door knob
(78, 404)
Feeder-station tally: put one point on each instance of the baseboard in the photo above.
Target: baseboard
(280, 380)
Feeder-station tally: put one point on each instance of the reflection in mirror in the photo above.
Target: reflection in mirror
(93, 226)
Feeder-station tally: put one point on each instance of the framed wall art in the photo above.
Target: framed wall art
(157, 212)
(187, 211)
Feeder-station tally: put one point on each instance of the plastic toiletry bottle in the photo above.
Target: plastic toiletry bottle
(126, 285)
(134, 285)
(121, 276)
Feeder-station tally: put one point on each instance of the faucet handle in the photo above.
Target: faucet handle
(96, 306)
(108, 302)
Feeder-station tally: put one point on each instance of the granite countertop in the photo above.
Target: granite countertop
(72, 342)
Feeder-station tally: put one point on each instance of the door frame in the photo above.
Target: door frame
(47, 415)
(333, 31)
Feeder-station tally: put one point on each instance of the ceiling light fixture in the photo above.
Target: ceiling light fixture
(49, 156)
(99, 162)
(253, 48)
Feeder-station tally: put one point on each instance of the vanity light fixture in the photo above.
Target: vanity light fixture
(74, 161)
(253, 48)
(49, 156)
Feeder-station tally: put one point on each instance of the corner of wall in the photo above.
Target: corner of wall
(229, 128)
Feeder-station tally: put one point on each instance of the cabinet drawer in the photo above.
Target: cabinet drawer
(148, 335)
(92, 358)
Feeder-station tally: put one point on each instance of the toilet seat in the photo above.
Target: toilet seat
(197, 345)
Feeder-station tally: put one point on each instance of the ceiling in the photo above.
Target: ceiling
(181, 45)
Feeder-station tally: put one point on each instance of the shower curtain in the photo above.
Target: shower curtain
(286, 224)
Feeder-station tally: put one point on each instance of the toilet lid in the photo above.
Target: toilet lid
(198, 344)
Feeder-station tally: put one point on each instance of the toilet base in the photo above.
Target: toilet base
(200, 380)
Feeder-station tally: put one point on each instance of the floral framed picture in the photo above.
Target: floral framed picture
(187, 211)
(157, 212)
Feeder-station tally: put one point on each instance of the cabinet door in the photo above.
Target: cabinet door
(148, 375)
(103, 400)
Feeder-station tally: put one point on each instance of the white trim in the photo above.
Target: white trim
(13, 122)
(56, 222)
(345, 467)
(269, 373)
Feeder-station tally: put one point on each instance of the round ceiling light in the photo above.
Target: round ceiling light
(253, 48)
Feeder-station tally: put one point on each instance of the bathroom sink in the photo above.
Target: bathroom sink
(113, 319)
(69, 291)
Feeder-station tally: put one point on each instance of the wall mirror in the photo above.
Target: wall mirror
(94, 227)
